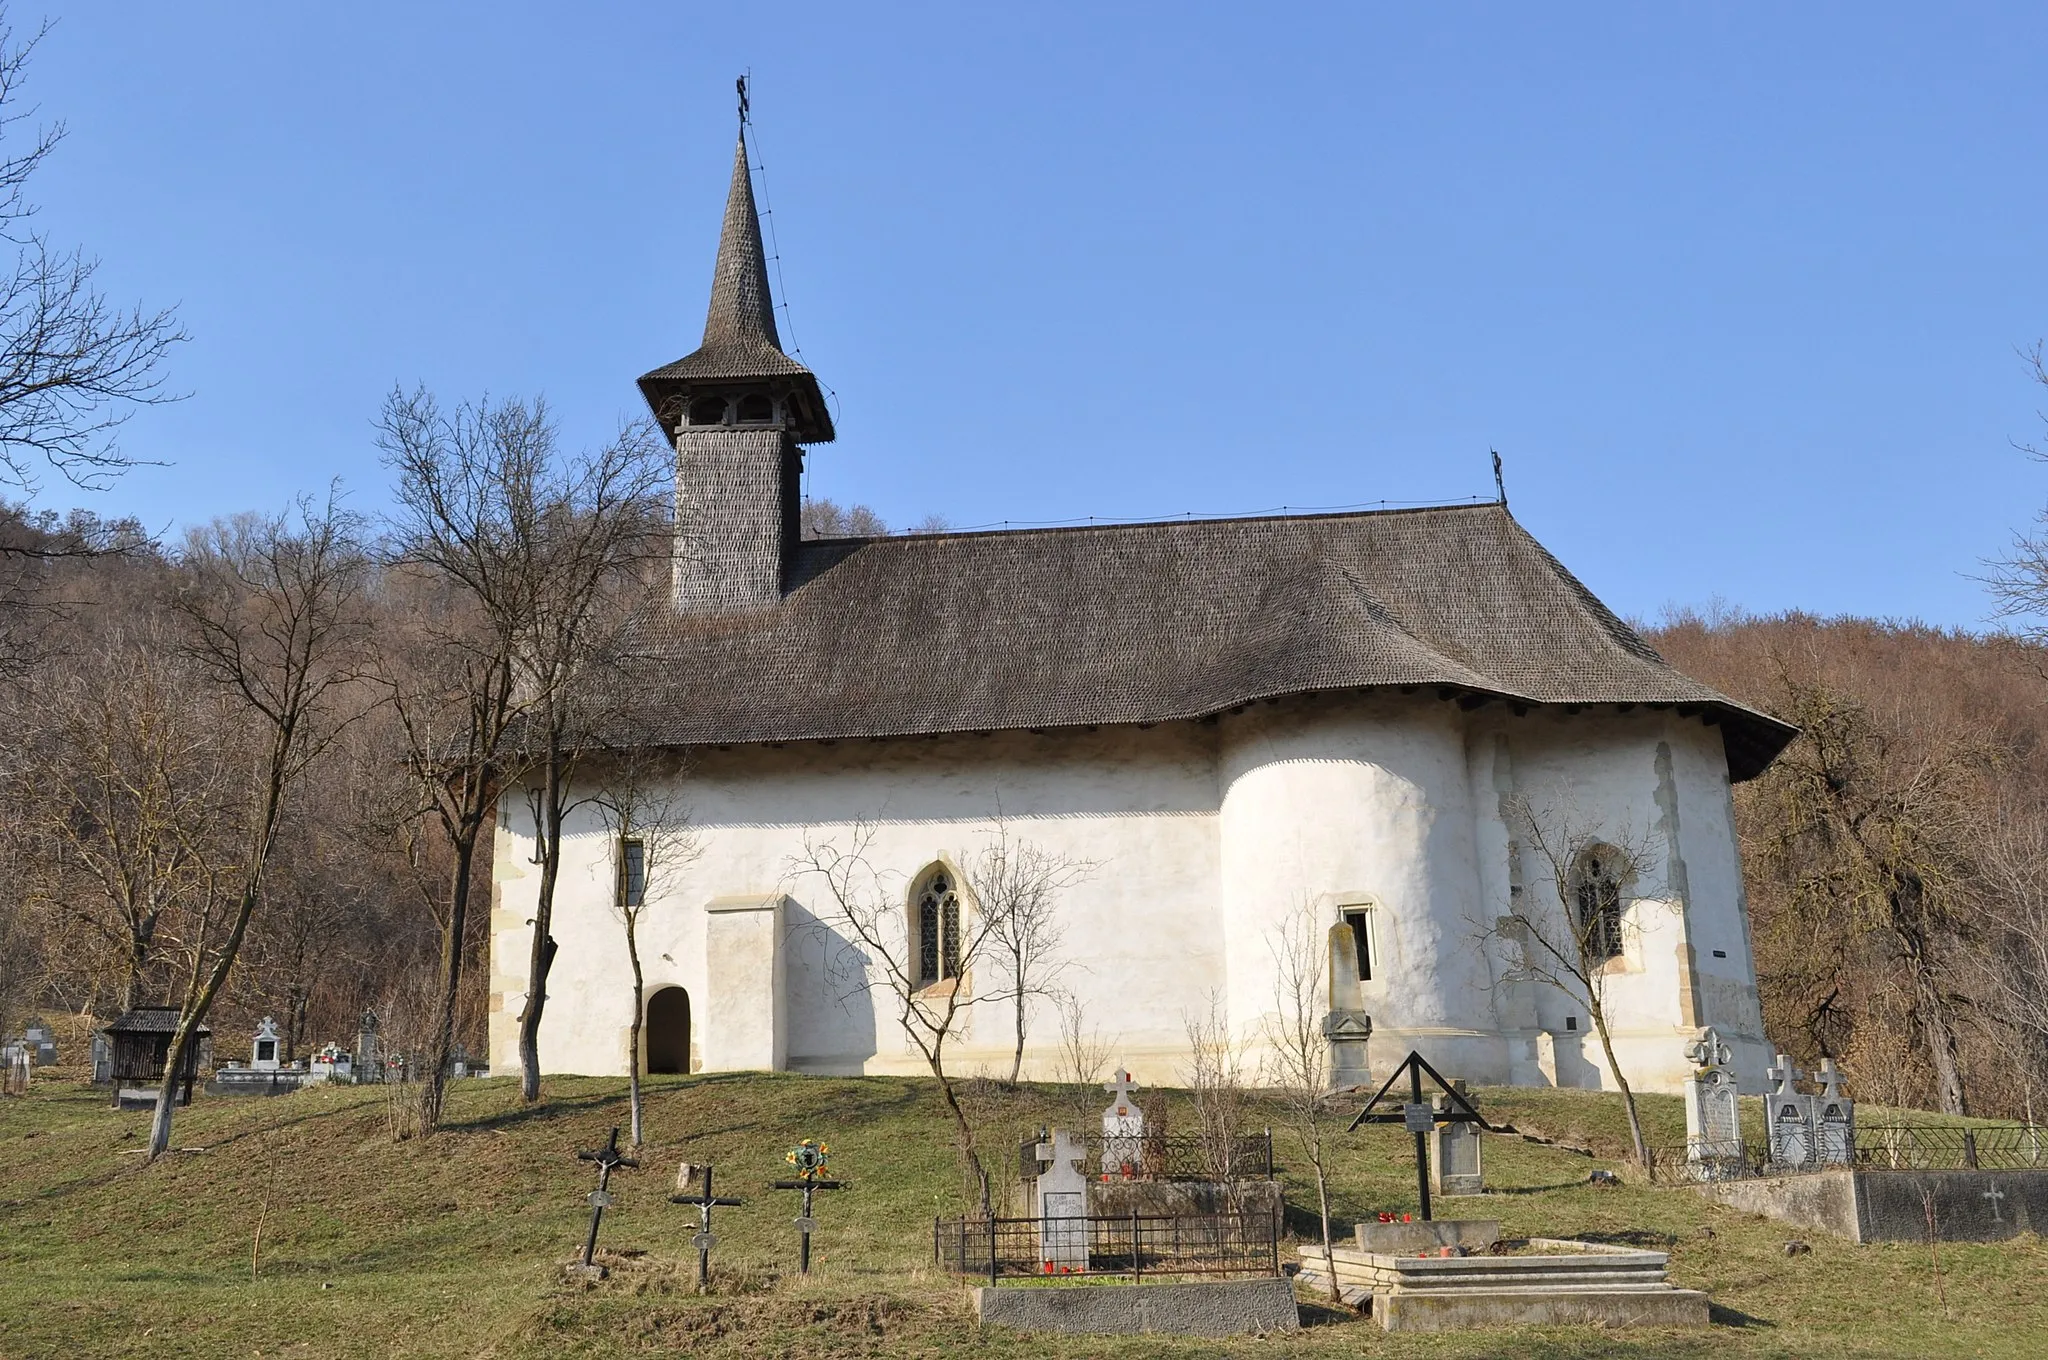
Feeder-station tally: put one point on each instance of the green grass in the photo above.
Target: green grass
(452, 1245)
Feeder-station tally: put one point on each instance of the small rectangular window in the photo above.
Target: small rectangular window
(1361, 941)
(632, 872)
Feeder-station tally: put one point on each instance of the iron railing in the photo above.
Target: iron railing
(1890, 1147)
(1180, 1157)
(1137, 1245)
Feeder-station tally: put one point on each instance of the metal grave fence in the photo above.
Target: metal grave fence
(1134, 1245)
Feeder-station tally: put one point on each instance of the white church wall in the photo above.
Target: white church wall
(1139, 805)
(1203, 837)
(1340, 799)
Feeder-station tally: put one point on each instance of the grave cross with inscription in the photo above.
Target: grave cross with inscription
(705, 1201)
(809, 1160)
(1123, 1129)
(608, 1159)
(1790, 1121)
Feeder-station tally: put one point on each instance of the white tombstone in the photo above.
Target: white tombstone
(331, 1063)
(1454, 1163)
(1062, 1209)
(1123, 1130)
(1834, 1118)
(263, 1054)
(1789, 1124)
(41, 1043)
(1713, 1110)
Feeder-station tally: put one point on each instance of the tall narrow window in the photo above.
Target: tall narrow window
(632, 872)
(1596, 898)
(1360, 922)
(938, 930)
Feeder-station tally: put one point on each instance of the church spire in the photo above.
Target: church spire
(741, 356)
(742, 314)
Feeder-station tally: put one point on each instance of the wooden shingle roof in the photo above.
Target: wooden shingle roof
(1149, 623)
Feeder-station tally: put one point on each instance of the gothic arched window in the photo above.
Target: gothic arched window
(938, 929)
(1596, 903)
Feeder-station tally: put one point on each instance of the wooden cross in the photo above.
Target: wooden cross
(806, 1224)
(705, 1240)
(607, 1158)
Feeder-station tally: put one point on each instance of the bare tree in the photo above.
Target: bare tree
(1568, 931)
(273, 611)
(123, 796)
(456, 557)
(547, 556)
(1219, 1091)
(652, 841)
(1084, 1055)
(1297, 1054)
(871, 908)
(1016, 885)
(72, 365)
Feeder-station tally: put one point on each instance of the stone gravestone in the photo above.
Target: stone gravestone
(1062, 1208)
(41, 1043)
(1790, 1122)
(1123, 1130)
(368, 1066)
(102, 1059)
(331, 1063)
(1454, 1164)
(1713, 1110)
(263, 1054)
(1834, 1118)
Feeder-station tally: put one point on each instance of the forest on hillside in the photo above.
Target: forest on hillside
(1896, 855)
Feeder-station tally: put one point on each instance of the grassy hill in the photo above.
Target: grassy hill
(451, 1245)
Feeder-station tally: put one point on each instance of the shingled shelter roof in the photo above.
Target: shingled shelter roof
(1149, 623)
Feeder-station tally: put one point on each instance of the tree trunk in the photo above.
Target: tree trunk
(963, 1133)
(1017, 1057)
(442, 1040)
(542, 957)
(1323, 1207)
(1644, 1158)
(1940, 1038)
(633, 1041)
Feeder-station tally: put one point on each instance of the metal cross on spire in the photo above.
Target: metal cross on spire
(741, 86)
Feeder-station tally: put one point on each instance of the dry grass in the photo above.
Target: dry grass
(450, 1245)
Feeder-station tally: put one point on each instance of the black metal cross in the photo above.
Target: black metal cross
(1419, 1119)
(607, 1158)
(705, 1240)
(806, 1224)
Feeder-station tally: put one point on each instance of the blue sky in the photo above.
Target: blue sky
(1736, 290)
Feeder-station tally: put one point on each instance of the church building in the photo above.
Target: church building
(1396, 729)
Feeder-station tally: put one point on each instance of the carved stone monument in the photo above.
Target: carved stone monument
(1454, 1162)
(1062, 1203)
(1789, 1123)
(1834, 1118)
(1123, 1130)
(263, 1054)
(1713, 1112)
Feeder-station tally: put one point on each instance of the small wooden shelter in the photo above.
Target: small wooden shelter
(140, 1043)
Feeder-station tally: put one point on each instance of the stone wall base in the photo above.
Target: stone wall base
(1197, 1308)
(1439, 1311)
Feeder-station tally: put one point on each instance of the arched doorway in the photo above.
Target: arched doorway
(668, 1030)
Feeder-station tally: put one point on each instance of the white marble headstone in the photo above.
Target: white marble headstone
(1789, 1122)
(1123, 1129)
(1062, 1192)
(1713, 1112)
(1834, 1117)
(264, 1053)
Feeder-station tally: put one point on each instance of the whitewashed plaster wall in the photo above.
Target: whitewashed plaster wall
(1203, 837)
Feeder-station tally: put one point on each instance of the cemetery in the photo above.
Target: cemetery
(768, 1213)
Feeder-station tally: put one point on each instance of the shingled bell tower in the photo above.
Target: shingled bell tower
(740, 412)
